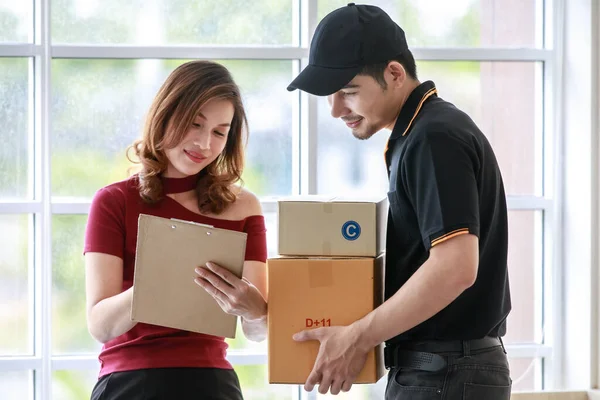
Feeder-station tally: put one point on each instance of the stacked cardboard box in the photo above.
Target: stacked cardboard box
(329, 271)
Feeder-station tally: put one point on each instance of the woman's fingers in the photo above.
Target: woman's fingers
(216, 281)
(224, 274)
(213, 291)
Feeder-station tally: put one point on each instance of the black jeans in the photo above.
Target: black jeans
(169, 384)
(476, 375)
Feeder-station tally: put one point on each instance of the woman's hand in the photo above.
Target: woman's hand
(235, 296)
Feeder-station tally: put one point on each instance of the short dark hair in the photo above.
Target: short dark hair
(376, 70)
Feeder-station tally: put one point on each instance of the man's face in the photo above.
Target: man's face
(364, 106)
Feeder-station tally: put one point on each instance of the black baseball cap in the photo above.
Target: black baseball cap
(344, 42)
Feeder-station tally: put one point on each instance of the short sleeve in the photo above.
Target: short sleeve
(439, 175)
(256, 242)
(105, 229)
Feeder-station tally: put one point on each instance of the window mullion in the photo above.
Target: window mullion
(43, 295)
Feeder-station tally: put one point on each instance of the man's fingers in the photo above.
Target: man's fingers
(308, 334)
(313, 379)
(336, 386)
(325, 384)
(346, 386)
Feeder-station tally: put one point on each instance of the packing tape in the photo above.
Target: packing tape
(320, 273)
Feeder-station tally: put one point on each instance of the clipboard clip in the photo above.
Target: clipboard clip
(191, 222)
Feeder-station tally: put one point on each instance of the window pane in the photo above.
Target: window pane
(16, 385)
(16, 285)
(524, 269)
(510, 122)
(271, 222)
(253, 380)
(14, 116)
(69, 327)
(16, 21)
(468, 23)
(242, 343)
(73, 385)
(159, 22)
(98, 109)
(525, 374)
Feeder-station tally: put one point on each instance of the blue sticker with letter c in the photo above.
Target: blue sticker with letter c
(351, 230)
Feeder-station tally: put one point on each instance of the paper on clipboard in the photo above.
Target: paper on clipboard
(164, 291)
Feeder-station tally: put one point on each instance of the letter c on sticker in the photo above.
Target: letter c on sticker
(351, 230)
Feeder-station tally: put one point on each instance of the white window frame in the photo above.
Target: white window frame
(304, 169)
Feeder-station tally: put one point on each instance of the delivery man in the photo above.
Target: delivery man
(446, 282)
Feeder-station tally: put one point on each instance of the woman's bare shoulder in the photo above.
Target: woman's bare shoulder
(246, 204)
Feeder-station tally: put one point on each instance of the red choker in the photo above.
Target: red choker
(179, 185)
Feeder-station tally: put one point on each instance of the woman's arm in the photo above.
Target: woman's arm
(108, 307)
(255, 329)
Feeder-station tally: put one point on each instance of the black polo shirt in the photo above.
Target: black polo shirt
(445, 181)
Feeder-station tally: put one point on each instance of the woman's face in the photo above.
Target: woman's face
(204, 140)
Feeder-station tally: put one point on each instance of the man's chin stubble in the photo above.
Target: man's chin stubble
(361, 136)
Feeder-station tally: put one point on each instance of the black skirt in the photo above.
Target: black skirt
(169, 384)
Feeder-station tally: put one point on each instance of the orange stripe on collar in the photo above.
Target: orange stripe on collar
(427, 95)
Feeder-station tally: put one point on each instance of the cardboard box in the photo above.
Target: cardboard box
(164, 291)
(332, 226)
(307, 293)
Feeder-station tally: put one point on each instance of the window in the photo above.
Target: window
(16, 160)
(16, 337)
(172, 22)
(16, 20)
(67, 121)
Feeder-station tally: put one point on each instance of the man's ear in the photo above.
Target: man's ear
(395, 73)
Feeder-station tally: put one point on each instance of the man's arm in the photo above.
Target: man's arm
(449, 271)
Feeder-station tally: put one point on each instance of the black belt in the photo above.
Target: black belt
(422, 355)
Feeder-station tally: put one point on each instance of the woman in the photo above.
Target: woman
(191, 157)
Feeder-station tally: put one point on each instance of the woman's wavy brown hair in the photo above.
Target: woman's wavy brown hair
(176, 105)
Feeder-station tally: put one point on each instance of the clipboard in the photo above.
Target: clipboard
(164, 291)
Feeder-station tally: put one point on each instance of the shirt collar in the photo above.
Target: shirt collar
(411, 108)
